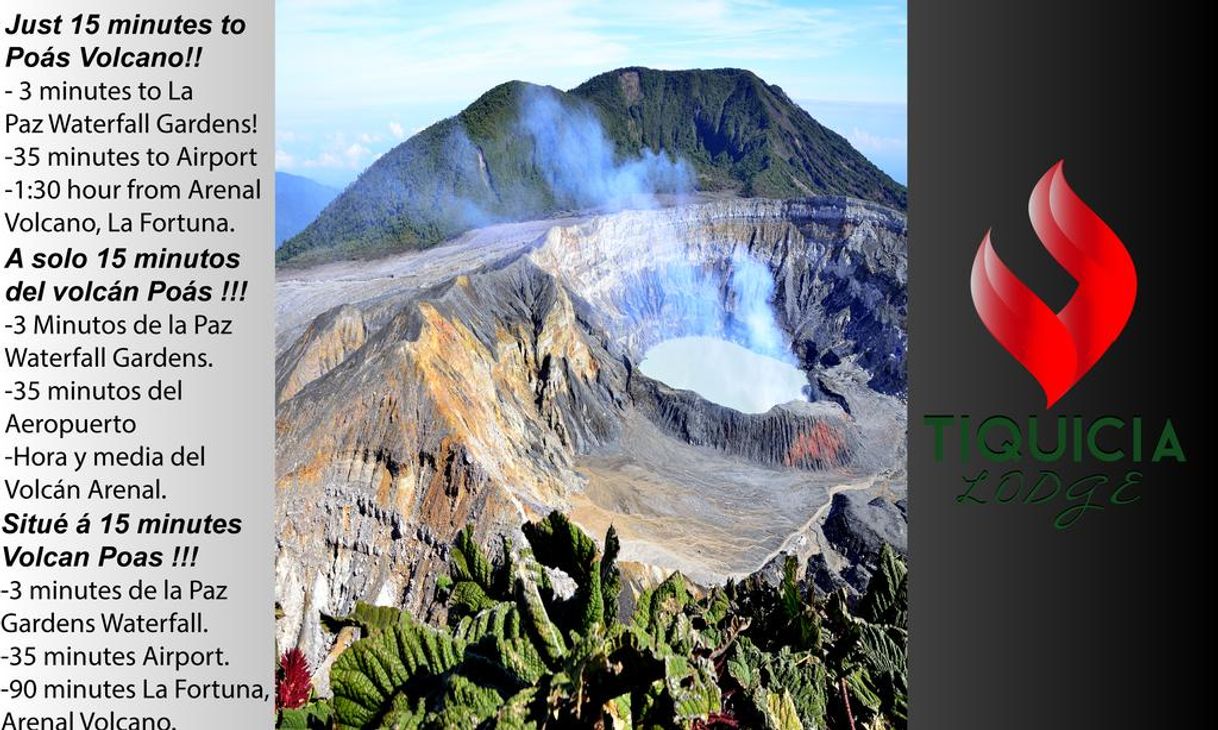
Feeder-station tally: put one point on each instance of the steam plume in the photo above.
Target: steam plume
(580, 164)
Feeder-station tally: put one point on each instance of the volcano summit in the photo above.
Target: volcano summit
(523, 151)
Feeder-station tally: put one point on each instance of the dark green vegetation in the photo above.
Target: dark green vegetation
(733, 131)
(298, 200)
(738, 132)
(517, 654)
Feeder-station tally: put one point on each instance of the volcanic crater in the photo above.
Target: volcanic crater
(496, 378)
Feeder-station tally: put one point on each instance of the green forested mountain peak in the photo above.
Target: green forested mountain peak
(523, 151)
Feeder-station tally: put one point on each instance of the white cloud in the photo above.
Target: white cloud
(397, 130)
(865, 141)
(338, 154)
(355, 154)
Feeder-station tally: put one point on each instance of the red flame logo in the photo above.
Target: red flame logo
(1058, 348)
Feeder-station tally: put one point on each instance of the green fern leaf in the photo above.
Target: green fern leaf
(369, 676)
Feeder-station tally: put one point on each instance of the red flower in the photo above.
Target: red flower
(292, 685)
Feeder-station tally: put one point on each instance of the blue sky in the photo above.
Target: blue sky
(357, 77)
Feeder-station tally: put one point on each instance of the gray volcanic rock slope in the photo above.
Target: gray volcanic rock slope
(509, 388)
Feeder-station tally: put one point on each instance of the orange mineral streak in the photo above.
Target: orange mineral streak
(452, 367)
(447, 498)
(307, 475)
(822, 444)
(457, 371)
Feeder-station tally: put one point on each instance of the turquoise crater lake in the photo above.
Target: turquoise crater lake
(725, 373)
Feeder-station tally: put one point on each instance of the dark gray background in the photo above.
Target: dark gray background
(1015, 624)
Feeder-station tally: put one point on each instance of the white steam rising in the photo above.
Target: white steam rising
(732, 299)
(713, 319)
(580, 164)
(751, 288)
(720, 336)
